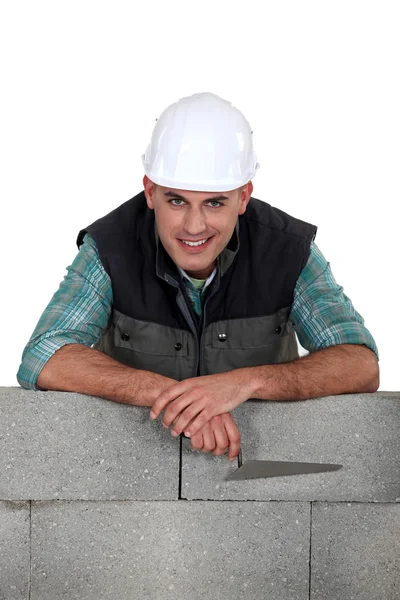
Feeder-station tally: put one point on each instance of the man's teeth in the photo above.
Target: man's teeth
(195, 243)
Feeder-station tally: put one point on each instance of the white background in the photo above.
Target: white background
(83, 82)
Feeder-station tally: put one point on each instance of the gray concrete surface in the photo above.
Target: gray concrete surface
(98, 501)
(355, 551)
(168, 550)
(360, 432)
(70, 446)
(14, 550)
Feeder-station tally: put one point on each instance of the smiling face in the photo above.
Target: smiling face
(187, 216)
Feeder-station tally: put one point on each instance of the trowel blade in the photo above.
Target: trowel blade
(255, 469)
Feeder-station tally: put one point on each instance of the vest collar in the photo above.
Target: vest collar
(166, 266)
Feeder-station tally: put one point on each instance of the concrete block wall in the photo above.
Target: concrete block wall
(99, 502)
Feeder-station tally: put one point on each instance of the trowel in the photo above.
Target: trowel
(258, 469)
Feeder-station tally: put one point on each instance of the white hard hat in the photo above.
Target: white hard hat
(201, 143)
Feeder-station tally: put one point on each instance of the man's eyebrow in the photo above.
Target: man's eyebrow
(215, 198)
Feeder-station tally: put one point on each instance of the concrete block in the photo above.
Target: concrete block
(355, 551)
(170, 550)
(358, 431)
(14, 550)
(62, 445)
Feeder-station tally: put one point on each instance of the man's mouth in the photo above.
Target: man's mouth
(199, 243)
(196, 246)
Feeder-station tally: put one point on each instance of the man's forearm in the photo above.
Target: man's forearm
(77, 368)
(342, 369)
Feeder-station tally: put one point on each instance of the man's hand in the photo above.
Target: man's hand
(217, 435)
(196, 400)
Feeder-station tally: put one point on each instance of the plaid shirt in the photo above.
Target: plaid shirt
(321, 314)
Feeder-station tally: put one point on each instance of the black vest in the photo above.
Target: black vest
(246, 308)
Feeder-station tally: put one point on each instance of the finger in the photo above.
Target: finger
(208, 437)
(233, 435)
(192, 415)
(173, 410)
(197, 441)
(196, 420)
(167, 396)
(221, 438)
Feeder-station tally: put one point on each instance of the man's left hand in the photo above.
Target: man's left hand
(191, 403)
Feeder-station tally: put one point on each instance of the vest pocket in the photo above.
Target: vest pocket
(149, 338)
(256, 341)
(151, 347)
(254, 332)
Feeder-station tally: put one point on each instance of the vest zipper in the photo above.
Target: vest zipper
(203, 320)
(181, 302)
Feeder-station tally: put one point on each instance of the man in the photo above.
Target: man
(187, 297)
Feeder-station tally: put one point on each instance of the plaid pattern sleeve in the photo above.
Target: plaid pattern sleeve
(321, 314)
(77, 313)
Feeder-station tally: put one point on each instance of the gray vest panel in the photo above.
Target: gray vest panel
(225, 345)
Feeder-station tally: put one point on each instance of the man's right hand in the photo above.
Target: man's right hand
(219, 433)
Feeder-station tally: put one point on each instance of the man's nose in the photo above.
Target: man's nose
(195, 222)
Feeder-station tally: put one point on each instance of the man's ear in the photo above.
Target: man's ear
(149, 191)
(245, 196)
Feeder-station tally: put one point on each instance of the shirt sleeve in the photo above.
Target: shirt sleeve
(321, 314)
(78, 313)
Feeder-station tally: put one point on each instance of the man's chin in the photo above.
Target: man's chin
(197, 269)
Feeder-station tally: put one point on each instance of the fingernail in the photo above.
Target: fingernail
(174, 433)
(152, 415)
(187, 433)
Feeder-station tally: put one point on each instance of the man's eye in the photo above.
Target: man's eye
(179, 200)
